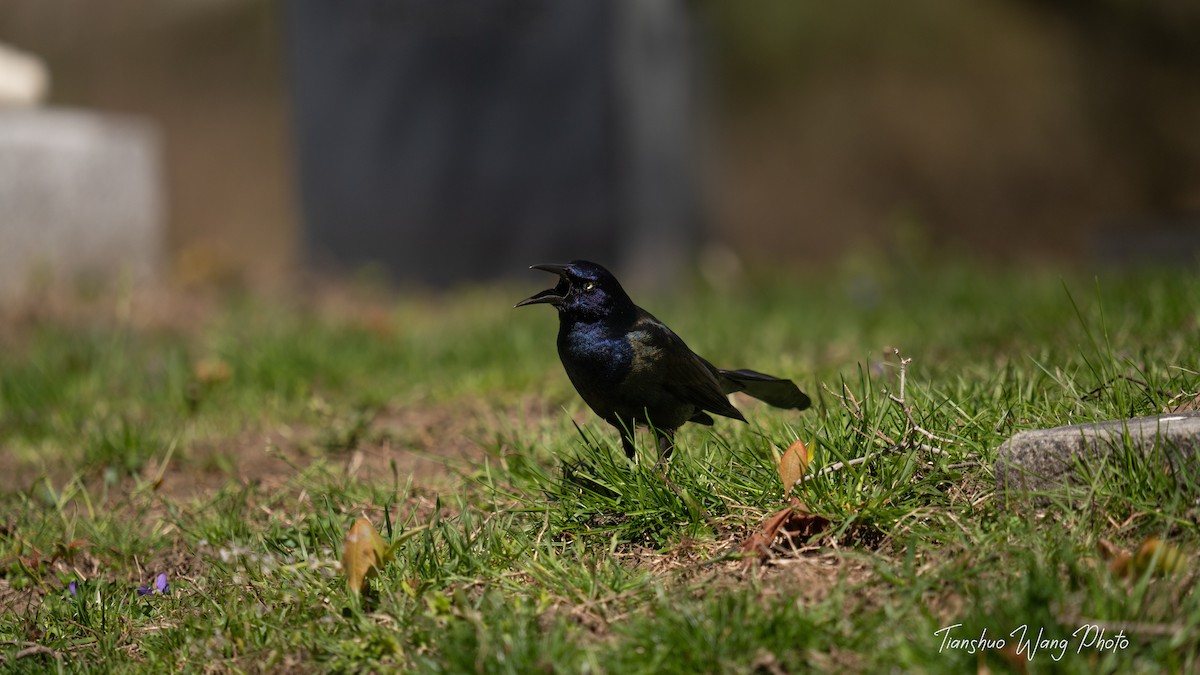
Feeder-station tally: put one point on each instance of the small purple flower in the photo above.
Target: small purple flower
(72, 588)
(160, 586)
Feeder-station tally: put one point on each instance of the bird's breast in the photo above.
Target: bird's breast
(591, 354)
(620, 374)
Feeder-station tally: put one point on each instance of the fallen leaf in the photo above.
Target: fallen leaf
(212, 370)
(1154, 555)
(1108, 550)
(795, 524)
(760, 542)
(1118, 559)
(794, 464)
(363, 553)
(1159, 557)
(1188, 405)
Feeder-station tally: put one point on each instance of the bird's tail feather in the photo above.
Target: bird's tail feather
(770, 390)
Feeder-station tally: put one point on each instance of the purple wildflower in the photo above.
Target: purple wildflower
(72, 588)
(160, 586)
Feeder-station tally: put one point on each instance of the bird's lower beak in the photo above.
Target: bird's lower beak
(549, 295)
(552, 296)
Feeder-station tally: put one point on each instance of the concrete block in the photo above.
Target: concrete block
(81, 196)
(1042, 459)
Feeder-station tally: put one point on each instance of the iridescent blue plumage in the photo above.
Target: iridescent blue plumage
(632, 370)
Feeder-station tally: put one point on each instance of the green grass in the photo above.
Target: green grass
(127, 452)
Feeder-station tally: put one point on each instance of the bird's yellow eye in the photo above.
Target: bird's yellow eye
(589, 285)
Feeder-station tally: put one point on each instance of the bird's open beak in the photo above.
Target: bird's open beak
(551, 296)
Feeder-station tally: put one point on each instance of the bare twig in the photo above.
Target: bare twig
(933, 451)
(856, 413)
(903, 403)
(838, 466)
(962, 465)
(854, 408)
(29, 649)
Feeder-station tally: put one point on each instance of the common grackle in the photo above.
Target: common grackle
(632, 370)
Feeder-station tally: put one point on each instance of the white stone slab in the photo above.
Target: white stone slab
(81, 195)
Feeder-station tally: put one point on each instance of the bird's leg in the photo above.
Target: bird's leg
(666, 443)
(627, 444)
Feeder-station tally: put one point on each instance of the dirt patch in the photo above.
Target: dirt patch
(17, 475)
(428, 443)
(434, 445)
(814, 577)
(264, 458)
(697, 568)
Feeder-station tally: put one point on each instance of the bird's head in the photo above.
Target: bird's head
(584, 290)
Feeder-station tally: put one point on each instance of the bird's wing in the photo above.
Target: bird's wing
(685, 374)
(772, 390)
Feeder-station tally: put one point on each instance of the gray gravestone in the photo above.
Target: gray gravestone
(1046, 458)
(80, 197)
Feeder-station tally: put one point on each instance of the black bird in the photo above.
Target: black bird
(632, 370)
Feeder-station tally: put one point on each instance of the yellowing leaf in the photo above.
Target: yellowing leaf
(1155, 556)
(363, 553)
(212, 370)
(1159, 557)
(794, 464)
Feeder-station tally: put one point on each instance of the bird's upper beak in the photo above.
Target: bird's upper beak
(552, 296)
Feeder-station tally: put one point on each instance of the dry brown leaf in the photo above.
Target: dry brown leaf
(363, 553)
(794, 464)
(1108, 550)
(1188, 405)
(1118, 559)
(795, 524)
(760, 542)
(1118, 565)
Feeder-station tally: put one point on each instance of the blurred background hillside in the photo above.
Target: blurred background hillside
(1009, 130)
